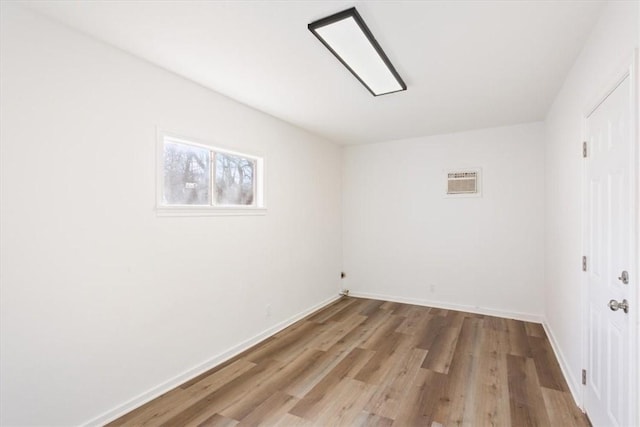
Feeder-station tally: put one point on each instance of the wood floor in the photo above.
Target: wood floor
(361, 362)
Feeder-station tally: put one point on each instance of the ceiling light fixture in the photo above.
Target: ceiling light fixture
(347, 36)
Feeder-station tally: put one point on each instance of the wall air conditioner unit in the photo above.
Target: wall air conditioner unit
(463, 183)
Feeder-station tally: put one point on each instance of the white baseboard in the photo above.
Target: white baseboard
(449, 306)
(174, 382)
(574, 385)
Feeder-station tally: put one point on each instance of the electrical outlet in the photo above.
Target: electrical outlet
(432, 289)
(267, 310)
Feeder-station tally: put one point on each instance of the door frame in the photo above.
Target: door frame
(629, 68)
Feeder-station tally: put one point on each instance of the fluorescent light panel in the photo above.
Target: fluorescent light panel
(346, 35)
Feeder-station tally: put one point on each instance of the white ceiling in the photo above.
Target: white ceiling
(467, 64)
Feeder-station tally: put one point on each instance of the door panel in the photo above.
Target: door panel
(608, 249)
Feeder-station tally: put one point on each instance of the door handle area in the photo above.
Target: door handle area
(615, 305)
(624, 277)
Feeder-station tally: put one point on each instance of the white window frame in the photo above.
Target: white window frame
(257, 208)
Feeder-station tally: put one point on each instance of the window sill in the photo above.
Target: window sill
(209, 211)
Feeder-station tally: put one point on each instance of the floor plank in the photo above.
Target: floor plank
(441, 350)
(362, 362)
(422, 400)
(310, 405)
(273, 407)
(547, 367)
(525, 395)
(390, 394)
(562, 409)
(366, 419)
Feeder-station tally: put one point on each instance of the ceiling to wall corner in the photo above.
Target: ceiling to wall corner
(467, 64)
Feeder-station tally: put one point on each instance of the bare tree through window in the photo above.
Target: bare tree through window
(234, 181)
(186, 174)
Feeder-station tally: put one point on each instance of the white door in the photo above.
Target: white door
(609, 241)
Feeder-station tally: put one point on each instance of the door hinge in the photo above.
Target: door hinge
(584, 263)
(584, 377)
(584, 149)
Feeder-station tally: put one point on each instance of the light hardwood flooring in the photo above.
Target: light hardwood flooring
(361, 362)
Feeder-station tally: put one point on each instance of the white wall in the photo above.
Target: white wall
(609, 47)
(403, 240)
(102, 300)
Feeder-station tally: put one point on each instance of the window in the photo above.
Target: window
(197, 179)
(234, 179)
(186, 175)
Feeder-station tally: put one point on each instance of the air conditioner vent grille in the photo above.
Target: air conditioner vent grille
(462, 183)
